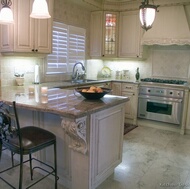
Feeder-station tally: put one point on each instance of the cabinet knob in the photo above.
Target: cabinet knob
(34, 50)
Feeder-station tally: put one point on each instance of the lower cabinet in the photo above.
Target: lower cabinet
(106, 142)
(129, 90)
(116, 88)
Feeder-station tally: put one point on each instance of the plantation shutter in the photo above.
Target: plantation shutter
(68, 48)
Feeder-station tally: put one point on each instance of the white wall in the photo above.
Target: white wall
(167, 62)
(64, 11)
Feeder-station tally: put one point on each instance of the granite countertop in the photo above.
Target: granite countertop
(65, 102)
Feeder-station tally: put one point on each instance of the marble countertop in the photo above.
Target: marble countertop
(65, 102)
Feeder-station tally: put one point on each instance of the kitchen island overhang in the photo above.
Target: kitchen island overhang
(89, 132)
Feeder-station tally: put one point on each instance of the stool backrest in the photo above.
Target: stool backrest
(9, 124)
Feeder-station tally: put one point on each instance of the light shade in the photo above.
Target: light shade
(40, 10)
(6, 14)
(147, 14)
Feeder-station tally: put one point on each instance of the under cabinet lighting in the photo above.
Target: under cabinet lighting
(147, 14)
(40, 10)
(6, 14)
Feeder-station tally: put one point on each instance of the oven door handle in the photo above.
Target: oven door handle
(161, 99)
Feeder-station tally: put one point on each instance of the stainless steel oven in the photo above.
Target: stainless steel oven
(160, 104)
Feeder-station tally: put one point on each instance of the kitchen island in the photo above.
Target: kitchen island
(89, 132)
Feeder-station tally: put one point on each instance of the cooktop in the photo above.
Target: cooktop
(168, 81)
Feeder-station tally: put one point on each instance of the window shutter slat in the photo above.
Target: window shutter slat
(68, 47)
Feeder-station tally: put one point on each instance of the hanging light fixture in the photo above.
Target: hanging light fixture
(6, 14)
(147, 14)
(40, 10)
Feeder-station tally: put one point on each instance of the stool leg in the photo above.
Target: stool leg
(55, 164)
(12, 159)
(21, 171)
(31, 171)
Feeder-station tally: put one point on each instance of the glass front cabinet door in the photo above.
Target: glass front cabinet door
(104, 34)
(110, 34)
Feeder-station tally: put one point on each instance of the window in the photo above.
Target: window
(68, 48)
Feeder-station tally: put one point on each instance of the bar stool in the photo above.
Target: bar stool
(25, 141)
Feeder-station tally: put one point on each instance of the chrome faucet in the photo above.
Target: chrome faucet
(75, 75)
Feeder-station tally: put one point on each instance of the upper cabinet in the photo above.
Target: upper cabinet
(96, 36)
(110, 34)
(115, 34)
(130, 34)
(27, 34)
(104, 33)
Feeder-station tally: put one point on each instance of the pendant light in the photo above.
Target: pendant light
(6, 14)
(40, 10)
(147, 14)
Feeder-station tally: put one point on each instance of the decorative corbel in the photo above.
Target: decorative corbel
(77, 131)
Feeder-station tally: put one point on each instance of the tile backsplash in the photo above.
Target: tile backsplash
(18, 65)
(167, 62)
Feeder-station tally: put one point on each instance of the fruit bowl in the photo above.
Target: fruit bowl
(92, 95)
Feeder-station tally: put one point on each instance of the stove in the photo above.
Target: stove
(167, 81)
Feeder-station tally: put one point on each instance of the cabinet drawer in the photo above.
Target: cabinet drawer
(127, 87)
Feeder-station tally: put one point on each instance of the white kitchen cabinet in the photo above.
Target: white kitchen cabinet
(130, 34)
(96, 29)
(106, 138)
(116, 88)
(104, 34)
(115, 34)
(131, 91)
(27, 34)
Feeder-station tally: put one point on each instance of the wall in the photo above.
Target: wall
(169, 62)
(64, 11)
(162, 61)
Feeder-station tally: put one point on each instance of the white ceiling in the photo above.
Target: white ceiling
(93, 4)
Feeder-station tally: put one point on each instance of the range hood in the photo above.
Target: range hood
(169, 28)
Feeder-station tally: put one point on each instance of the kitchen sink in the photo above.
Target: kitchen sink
(82, 81)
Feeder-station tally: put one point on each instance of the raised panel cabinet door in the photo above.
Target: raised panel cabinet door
(23, 26)
(116, 88)
(7, 35)
(130, 106)
(106, 140)
(43, 32)
(129, 34)
(96, 30)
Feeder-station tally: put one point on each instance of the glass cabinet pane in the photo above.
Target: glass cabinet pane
(110, 34)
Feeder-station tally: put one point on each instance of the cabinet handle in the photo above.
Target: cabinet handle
(36, 50)
(32, 50)
(128, 87)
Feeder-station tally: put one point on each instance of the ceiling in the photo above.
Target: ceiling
(92, 5)
(98, 4)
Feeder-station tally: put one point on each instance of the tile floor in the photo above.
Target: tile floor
(152, 159)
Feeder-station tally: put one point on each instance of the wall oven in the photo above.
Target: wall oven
(160, 104)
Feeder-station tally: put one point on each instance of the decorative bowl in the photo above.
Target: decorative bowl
(93, 96)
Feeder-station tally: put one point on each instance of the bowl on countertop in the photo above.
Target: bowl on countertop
(92, 95)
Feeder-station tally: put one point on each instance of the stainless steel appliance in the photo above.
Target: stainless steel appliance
(160, 104)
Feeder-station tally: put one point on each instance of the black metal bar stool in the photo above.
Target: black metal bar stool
(25, 141)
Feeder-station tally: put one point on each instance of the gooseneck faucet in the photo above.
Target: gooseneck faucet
(75, 74)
